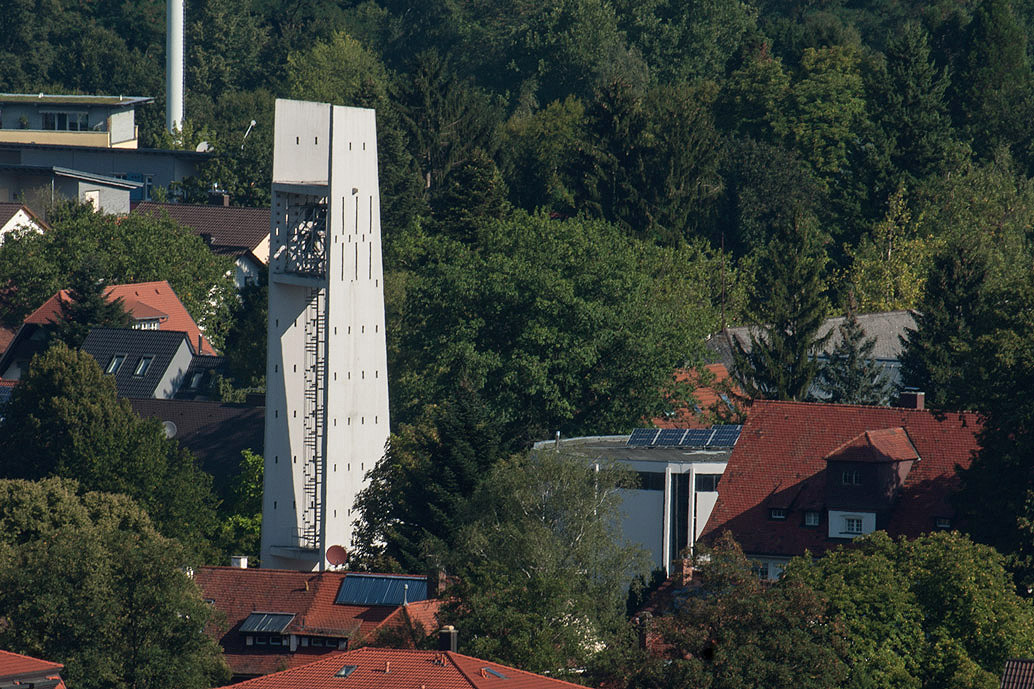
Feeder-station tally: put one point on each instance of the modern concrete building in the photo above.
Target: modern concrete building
(326, 381)
(678, 471)
(70, 120)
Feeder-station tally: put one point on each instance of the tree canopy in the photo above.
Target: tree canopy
(86, 580)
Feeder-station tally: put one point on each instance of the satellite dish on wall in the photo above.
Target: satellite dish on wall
(336, 555)
(203, 147)
(170, 429)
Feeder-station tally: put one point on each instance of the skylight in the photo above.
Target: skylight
(346, 671)
(486, 671)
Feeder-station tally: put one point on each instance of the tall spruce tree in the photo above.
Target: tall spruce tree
(789, 307)
(851, 374)
(908, 99)
(939, 353)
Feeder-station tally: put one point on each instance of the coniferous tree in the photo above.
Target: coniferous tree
(851, 374)
(909, 101)
(939, 353)
(788, 308)
(88, 307)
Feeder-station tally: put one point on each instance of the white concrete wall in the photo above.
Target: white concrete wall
(325, 151)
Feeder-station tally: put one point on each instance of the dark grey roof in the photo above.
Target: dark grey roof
(72, 174)
(381, 589)
(886, 327)
(103, 344)
(215, 432)
(203, 368)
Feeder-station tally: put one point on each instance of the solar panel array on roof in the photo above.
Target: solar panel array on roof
(716, 436)
(270, 622)
(380, 589)
(642, 437)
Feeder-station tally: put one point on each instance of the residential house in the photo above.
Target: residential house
(43, 185)
(26, 672)
(70, 120)
(235, 231)
(678, 471)
(810, 477)
(15, 216)
(715, 397)
(144, 363)
(384, 668)
(151, 305)
(887, 328)
(277, 619)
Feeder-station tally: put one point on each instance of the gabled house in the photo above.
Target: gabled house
(26, 672)
(14, 216)
(809, 477)
(711, 400)
(235, 231)
(152, 306)
(277, 619)
(144, 363)
(384, 668)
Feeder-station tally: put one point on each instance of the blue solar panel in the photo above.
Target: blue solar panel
(670, 437)
(725, 436)
(642, 437)
(696, 437)
(274, 622)
(380, 589)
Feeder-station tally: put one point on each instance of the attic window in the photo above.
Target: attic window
(777, 513)
(346, 671)
(811, 518)
(115, 364)
(487, 671)
(143, 365)
(852, 478)
(942, 523)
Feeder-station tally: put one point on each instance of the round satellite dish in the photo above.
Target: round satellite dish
(203, 147)
(336, 555)
(170, 429)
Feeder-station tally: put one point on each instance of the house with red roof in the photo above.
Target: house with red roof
(152, 306)
(18, 670)
(716, 399)
(383, 668)
(809, 477)
(276, 619)
(18, 216)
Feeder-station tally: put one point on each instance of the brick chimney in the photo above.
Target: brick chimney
(912, 399)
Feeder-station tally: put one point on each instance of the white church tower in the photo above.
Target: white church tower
(326, 381)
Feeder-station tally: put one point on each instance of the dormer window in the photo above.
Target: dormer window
(777, 513)
(851, 478)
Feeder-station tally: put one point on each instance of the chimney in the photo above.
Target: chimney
(239, 561)
(447, 638)
(912, 399)
(218, 197)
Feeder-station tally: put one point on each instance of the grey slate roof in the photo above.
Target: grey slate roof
(105, 343)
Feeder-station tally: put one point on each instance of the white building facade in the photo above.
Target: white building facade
(326, 378)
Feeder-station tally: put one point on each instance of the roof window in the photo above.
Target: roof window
(143, 365)
(346, 671)
(115, 364)
(490, 672)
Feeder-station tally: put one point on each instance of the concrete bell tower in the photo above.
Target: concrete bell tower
(326, 380)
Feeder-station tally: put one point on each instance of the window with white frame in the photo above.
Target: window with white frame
(811, 518)
(853, 525)
(777, 513)
(851, 478)
(64, 121)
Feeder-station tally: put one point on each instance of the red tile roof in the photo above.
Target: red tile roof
(709, 400)
(886, 445)
(780, 461)
(142, 300)
(237, 593)
(17, 667)
(230, 230)
(382, 668)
